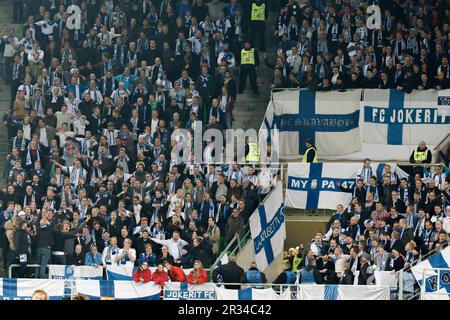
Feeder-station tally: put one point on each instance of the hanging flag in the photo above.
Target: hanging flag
(118, 290)
(268, 229)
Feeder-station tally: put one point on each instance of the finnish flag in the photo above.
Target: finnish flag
(251, 294)
(118, 290)
(426, 274)
(120, 271)
(330, 119)
(22, 289)
(74, 272)
(268, 228)
(343, 292)
(314, 185)
(392, 117)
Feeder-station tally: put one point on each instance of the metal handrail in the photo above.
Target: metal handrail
(416, 293)
(36, 266)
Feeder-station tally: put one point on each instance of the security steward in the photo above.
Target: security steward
(258, 17)
(420, 155)
(252, 153)
(249, 60)
(310, 153)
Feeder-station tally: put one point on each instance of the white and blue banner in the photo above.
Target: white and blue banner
(117, 290)
(268, 228)
(120, 272)
(251, 294)
(185, 291)
(74, 272)
(343, 292)
(314, 185)
(330, 119)
(392, 117)
(426, 274)
(355, 124)
(22, 289)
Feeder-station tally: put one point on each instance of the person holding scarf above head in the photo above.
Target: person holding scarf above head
(366, 172)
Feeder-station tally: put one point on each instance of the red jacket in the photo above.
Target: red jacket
(160, 277)
(144, 274)
(200, 277)
(177, 274)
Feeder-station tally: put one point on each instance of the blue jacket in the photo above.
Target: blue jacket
(90, 260)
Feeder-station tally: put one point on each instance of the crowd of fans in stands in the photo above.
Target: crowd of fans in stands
(91, 178)
(95, 112)
(326, 45)
(390, 224)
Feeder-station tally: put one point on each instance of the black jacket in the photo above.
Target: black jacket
(363, 275)
(229, 273)
(45, 236)
(21, 240)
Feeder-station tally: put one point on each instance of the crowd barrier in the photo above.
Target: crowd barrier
(58, 289)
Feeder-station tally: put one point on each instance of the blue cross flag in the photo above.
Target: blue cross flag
(435, 274)
(393, 117)
(268, 228)
(329, 119)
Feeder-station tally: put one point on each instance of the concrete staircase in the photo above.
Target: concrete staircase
(249, 111)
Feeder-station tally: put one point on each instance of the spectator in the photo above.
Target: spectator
(310, 274)
(229, 273)
(253, 275)
(176, 274)
(93, 258)
(197, 275)
(160, 276)
(78, 258)
(142, 274)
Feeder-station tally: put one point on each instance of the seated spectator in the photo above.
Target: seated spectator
(78, 258)
(148, 256)
(93, 258)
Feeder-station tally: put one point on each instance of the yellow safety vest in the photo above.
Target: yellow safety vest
(305, 156)
(420, 155)
(253, 153)
(248, 56)
(258, 12)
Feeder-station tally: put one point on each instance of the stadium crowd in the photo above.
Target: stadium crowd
(390, 224)
(326, 45)
(91, 176)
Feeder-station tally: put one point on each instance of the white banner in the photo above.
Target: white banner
(392, 117)
(389, 123)
(74, 272)
(305, 114)
(120, 272)
(118, 290)
(22, 289)
(343, 292)
(314, 185)
(251, 294)
(268, 228)
(184, 291)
